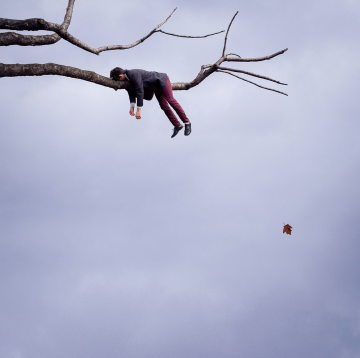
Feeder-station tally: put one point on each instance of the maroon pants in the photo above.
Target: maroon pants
(165, 97)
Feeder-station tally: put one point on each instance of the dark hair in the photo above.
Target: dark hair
(114, 73)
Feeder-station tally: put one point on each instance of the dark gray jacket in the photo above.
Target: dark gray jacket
(145, 83)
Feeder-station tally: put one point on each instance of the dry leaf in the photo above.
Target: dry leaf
(287, 228)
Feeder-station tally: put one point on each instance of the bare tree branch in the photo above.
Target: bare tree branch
(12, 70)
(119, 47)
(232, 54)
(125, 47)
(35, 69)
(8, 39)
(158, 26)
(67, 19)
(253, 59)
(13, 38)
(190, 37)
(270, 89)
(250, 74)
(223, 53)
(21, 25)
(207, 70)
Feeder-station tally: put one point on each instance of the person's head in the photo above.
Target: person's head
(118, 74)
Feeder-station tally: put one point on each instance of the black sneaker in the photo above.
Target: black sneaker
(187, 128)
(177, 130)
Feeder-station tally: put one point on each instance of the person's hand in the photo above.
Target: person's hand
(138, 113)
(132, 111)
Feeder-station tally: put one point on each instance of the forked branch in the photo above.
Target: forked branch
(207, 70)
(12, 70)
(270, 89)
(250, 74)
(60, 31)
(13, 38)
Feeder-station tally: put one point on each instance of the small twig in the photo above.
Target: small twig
(190, 37)
(250, 74)
(119, 47)
(270, 89)
(223, 53)
(256, 59)
(232, 54)
(165, 20)
(123, 47)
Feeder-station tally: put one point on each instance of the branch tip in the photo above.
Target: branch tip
(269, 89)
(250, 74)
(223, 53)
(189, 37)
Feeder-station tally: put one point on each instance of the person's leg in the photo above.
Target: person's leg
(169, 97)
(165, 107)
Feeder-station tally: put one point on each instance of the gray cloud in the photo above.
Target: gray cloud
(119, 241)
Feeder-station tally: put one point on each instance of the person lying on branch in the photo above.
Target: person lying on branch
(145, 85)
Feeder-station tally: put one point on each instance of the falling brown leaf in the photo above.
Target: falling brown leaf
(287, 228)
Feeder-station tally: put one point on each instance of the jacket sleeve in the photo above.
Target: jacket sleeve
(132, 96)
(139, 88)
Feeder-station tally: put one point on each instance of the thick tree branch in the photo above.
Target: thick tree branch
(35, 69)
(8, 39)
(13, 38)
(22, 25)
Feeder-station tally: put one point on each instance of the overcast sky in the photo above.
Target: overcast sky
(118, 241)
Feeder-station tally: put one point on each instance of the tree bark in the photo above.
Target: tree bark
(13, 38)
